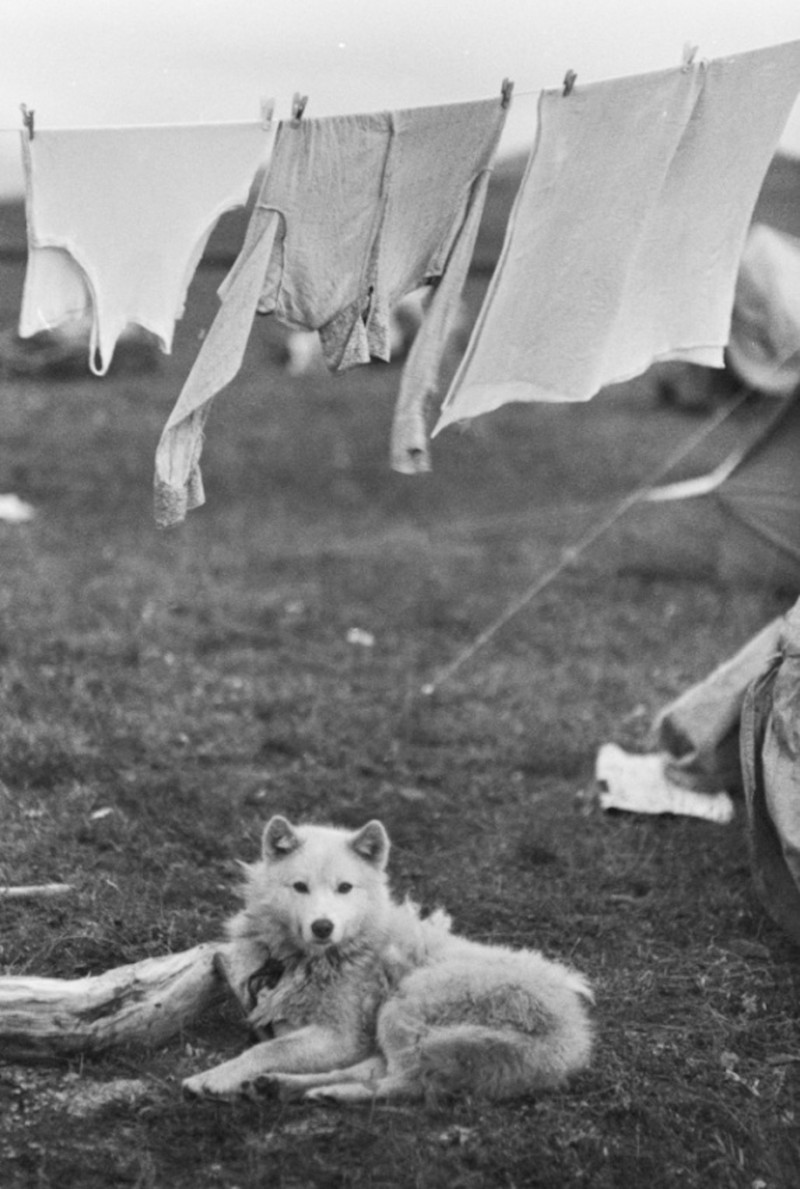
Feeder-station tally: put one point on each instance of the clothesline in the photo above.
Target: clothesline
(570, 78)
(267, 111)
(143, 127)
(262, 122)
(16, 128)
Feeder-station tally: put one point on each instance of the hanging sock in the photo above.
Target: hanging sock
(118, 219)
(626, 234)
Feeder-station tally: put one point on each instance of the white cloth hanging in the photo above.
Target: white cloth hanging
(625, 238)
(118, 219)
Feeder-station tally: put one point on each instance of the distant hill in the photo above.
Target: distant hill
(222, 247)
(778, 204)
(12, 228)
(229, 233)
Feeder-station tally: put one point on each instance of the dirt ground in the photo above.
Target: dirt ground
(161, 694)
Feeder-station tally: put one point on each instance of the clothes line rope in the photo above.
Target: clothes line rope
(17, 128)
(570, 78)
(573, 552)
(291, 113)
(688, 58)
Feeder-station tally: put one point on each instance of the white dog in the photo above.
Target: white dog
(365, 999)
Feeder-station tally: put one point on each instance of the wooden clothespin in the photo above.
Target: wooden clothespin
(298, 106)
(506, 91)
(267, 112)
(689, 52)
(27, 119)
(569, 82)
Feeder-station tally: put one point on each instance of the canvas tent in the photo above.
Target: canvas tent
(770, 756)
(744, 530)
(739, 729)
(741, 523)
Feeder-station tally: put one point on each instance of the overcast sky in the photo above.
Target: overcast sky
(102, 62)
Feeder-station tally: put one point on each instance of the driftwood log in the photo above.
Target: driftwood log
(43, 891)
(146, 1002)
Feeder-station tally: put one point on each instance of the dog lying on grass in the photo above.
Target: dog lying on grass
(364, 999)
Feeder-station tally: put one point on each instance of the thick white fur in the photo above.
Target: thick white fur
(385, 1004)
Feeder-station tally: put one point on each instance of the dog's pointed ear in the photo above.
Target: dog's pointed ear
(372, 844)
(279, 838)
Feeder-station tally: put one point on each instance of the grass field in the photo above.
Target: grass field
(162, 693)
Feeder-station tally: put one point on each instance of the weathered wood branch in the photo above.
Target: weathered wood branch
(146, 1002)
(35, 891)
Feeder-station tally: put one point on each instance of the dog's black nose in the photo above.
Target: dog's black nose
(322, 928)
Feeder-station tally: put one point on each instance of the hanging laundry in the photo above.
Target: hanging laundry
(438, 177)
(324, 189)
(354, 213)
(118, 219)
(304, 258)
(626, 234)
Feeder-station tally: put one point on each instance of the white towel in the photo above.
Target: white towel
(626, 234)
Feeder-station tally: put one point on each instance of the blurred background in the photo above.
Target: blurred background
(90, 62)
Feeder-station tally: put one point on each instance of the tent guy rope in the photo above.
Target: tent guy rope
(573, 552)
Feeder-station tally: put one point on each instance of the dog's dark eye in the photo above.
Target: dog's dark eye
(300, 886)
(344, 887)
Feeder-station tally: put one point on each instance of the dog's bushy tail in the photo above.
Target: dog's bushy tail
(498, 1063)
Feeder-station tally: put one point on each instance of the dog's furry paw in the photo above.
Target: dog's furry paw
(193, 1087)
(341, 1094)
(210, 1085)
